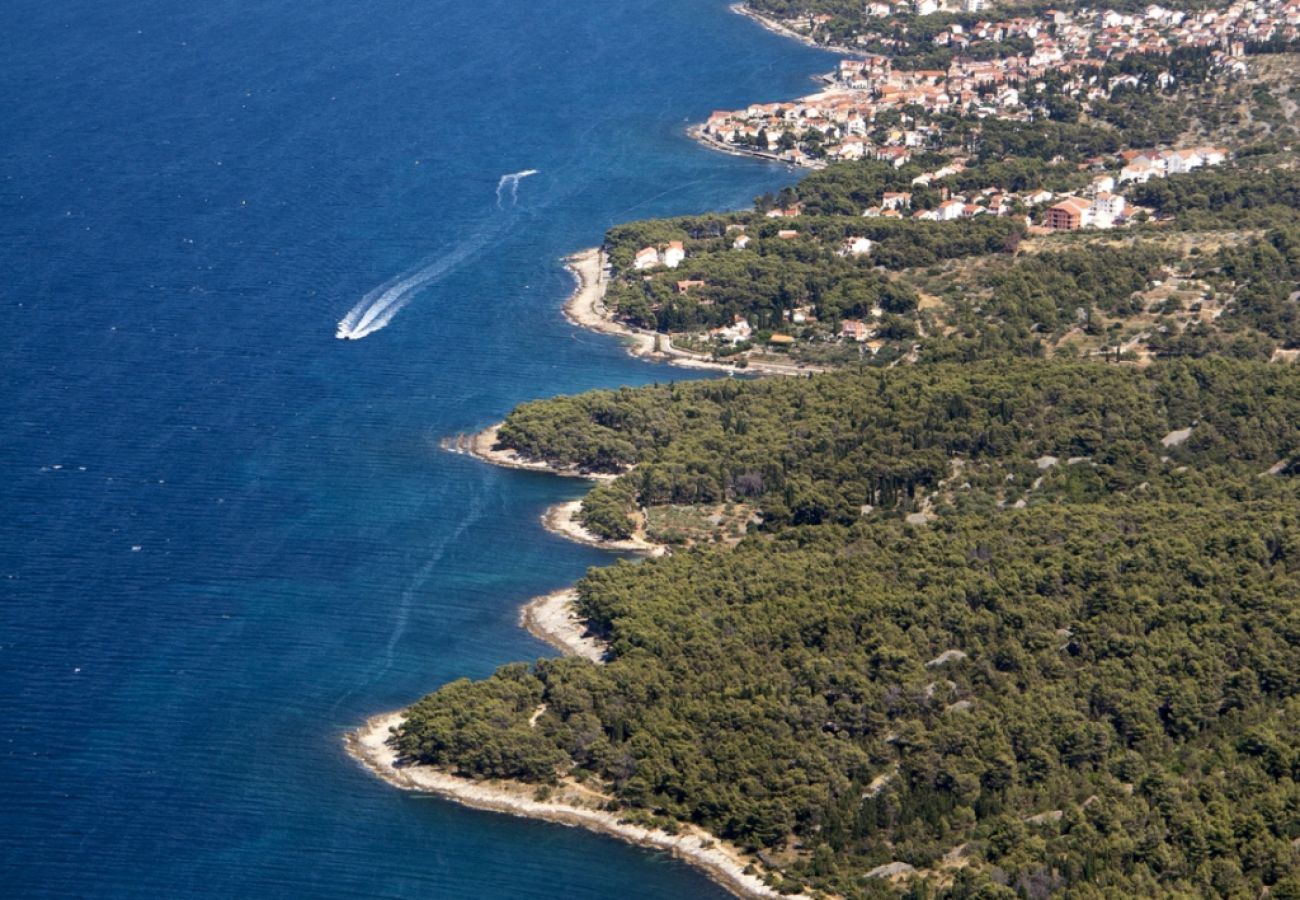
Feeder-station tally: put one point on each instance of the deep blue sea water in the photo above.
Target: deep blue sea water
(227, 536)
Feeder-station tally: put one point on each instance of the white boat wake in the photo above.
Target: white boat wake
(512, 181)
(376, 309)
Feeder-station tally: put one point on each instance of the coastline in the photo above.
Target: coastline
(552, 618)
(562, 519)
(586, 308)
(696, 132)
(569, 804)
(742, 9)
(482, 446)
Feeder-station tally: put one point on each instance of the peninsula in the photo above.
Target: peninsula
(998, 595)
(572, 801)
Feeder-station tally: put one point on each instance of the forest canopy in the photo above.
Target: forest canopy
(819, 449)
(1093, 690)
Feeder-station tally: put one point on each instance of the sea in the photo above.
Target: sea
(228, 536)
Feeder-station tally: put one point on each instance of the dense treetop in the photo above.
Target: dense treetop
(1077, 673)
(820, 449)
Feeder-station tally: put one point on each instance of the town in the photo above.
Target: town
(1020, 69)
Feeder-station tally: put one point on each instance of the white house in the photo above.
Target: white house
(674, 255)
(734, 333)
(951, 209)
(896, 200)
(1213, 156)
(1106, 208)
(1157, 161)
(855, 246)
(1101, 184)
(851, 148)
(646, 258)
(741, 242)
(1141, 172)
(1178, 162)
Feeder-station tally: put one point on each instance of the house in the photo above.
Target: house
(1178, 162)
(796, 157)
(1141, 172)
(852, 148)
(855, 330)
(1068, 215)
(895, 156)
(781, 340)
(738, 331)
(1106, 209)
(684, 286)
(646, 258)
(951, 209)
(855, 246)
(896, 200)
(1213, 156)
(786, 234)
(674, 255)
(1101, 184)
(740, 243)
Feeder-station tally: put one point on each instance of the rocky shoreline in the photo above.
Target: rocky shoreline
(777, 28)
(569, 803)
(482, 445)
(562, 519)
(553, 619)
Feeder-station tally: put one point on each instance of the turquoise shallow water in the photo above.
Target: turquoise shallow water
(229, 536)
